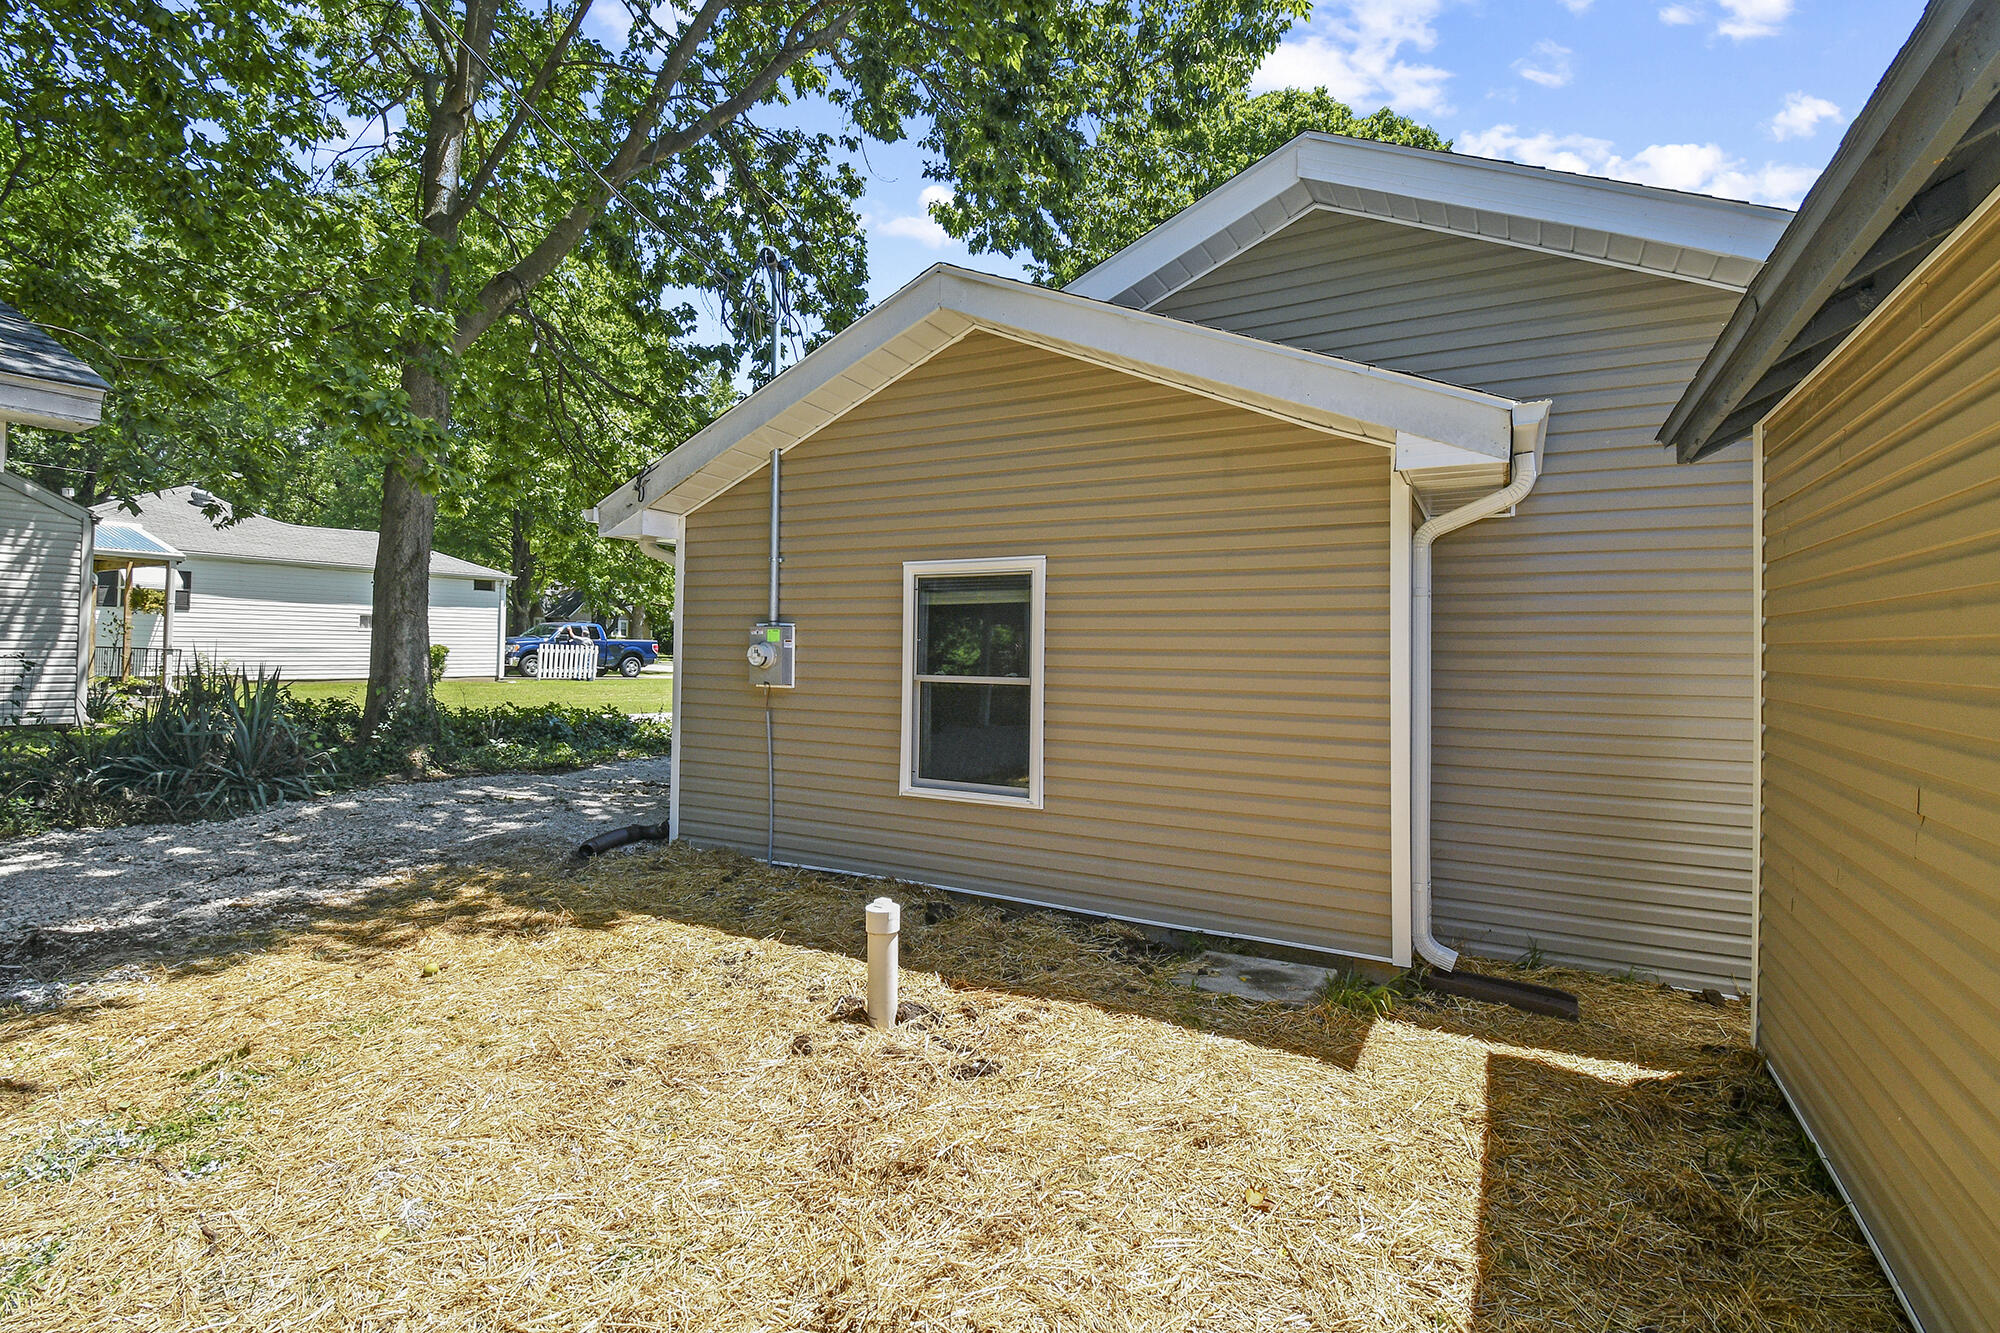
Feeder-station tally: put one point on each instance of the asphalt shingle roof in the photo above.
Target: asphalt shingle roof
(32, 354)
(174, 516)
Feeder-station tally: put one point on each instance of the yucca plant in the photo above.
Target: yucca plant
(221, 743)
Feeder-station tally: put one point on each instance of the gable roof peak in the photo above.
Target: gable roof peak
(1692, 237)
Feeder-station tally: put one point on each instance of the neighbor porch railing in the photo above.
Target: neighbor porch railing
(110, 662)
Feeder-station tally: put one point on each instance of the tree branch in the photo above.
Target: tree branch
(525, 105)
(634, 156)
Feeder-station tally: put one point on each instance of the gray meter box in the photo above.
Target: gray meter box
(771, 645)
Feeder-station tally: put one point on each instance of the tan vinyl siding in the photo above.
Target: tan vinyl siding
(1879, 995)
(1593, 687)
(1217, 692)
(41, 571)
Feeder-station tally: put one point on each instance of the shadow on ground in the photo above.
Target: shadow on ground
(1638, 1172)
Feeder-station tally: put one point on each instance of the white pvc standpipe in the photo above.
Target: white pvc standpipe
(885, 924)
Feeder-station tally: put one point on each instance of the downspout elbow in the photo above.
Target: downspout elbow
(1530, 426)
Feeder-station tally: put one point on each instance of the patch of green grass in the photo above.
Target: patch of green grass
(70, 1150)
(21, 1269)
(1359, 994)
(1533, 959)
(642, 694)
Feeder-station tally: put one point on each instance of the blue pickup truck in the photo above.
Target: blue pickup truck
(625, 656)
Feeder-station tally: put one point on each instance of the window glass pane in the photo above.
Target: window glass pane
(973, 625)
(975, 734)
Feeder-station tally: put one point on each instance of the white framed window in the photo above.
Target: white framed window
(972, 680)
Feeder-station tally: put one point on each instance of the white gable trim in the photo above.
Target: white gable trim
(944, 304)
(1694, 238)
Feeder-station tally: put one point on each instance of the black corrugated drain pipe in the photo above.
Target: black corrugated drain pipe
(620, 837)
(1523, 995)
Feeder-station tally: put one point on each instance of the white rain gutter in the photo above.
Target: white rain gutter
(1530, 426)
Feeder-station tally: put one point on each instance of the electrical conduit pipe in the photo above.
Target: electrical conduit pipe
(1530, 423)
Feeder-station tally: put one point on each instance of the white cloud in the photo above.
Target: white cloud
(1753, 18)
(1547, 64)
(920, 226)
(1800, 116)
(1699, 168)
(1680, 15)
(1356, 54)
(1576, 6)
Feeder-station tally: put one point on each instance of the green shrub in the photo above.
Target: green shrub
(220, 743)
(439, 653)
(224, 743)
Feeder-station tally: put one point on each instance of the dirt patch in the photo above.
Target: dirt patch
(618, 1098)
(67, 898)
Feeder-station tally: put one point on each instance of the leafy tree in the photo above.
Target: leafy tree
(1142, 169)
(295, 225)
(519, 140)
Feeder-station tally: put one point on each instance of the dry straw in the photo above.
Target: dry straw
(516, 1100)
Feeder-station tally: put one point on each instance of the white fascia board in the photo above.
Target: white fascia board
(1445, 192)
(50, 404)
(945, 304)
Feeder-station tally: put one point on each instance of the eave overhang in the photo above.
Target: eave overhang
(1922, 155)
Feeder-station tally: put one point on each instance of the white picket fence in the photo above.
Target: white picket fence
(566, 661)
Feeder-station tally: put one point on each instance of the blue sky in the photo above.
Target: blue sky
(1742, 98)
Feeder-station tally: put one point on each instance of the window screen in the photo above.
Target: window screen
(973, 704)
(185, 593)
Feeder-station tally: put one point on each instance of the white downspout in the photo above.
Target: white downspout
(1530, 424)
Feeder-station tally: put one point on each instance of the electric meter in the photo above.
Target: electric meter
(770, 653)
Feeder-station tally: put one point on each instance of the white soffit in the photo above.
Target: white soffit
(1456, 426)
(1693, 237)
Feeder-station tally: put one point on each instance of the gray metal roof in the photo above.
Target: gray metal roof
(28, 352)
(123, 537)
(1919, 158)
(176, 516)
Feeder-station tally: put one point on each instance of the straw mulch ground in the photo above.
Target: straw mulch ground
(612, 1100)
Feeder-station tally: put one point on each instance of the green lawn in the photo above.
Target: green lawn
(643, 694)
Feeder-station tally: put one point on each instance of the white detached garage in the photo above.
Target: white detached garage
(266, 595)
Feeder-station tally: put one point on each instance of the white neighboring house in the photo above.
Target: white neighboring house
(266, 595)
(45, 541)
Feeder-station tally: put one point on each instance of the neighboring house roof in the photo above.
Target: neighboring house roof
(1716, 242)
(176, 516)
(1921, 156)
(41, 382)
(117, 537)
(1456, 435)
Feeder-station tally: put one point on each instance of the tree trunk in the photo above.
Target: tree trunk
(399, 657)
(521, 593)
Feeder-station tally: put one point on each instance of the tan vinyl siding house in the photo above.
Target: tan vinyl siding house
(1865, 360)
(1190, 779)
(1224, 491)
(1594, 748)
(1880, 931)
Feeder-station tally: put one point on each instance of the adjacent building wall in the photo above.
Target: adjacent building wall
(43, 545)
(307, 621)
(1593, 681)
(1879, 958)
(1217, 694)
